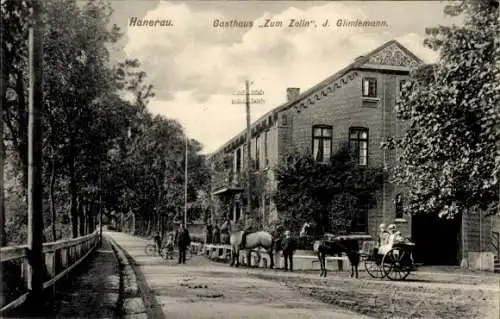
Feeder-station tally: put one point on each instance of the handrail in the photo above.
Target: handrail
(64, 243)
(57, 265)
(10, 253)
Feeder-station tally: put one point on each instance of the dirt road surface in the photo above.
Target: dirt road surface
(202, 289)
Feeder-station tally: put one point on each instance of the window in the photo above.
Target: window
(359, 223)
(267, 203)
(237, 211)
(322, 143)
(284, 120)
(398, 201)
(257, 154)
(266, 158)
(358, 142)
(238, 160)
(401, 85)
(369, 87)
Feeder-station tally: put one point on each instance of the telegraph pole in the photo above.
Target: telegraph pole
(100, 205)
(248, 172)
(185, 181)
(2, 151)
(249, 149)
(35, 208)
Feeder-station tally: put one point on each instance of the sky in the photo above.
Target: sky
(196, 67)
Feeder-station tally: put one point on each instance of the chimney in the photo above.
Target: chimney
(292, 94)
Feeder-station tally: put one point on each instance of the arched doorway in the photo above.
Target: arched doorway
(437, 239)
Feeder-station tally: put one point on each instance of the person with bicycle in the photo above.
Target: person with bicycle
(183, 242)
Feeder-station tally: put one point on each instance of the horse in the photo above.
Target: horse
(259, 239)
(328, 245)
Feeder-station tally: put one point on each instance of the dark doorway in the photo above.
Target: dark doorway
(437, 239)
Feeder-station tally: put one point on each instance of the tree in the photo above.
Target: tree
(449, 158)
(96, 144)
(330, 194)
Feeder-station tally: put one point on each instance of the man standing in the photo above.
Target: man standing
(289, 246)
(208, 237)
(183, 242)
(225, 231)
(158, 241)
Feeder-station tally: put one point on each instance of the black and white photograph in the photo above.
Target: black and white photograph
(250, 159)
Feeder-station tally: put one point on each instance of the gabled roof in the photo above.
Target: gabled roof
(364, 61)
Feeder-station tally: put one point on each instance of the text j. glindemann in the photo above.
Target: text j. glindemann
(357, 23)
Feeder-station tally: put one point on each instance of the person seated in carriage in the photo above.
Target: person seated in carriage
(387, 239)
(382, 235)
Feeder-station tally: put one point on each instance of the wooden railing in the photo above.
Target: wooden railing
(60, 258)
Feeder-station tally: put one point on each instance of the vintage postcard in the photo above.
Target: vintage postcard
(250, 159)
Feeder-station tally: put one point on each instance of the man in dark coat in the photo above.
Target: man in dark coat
(289, 246)
(183, 242)
(209, 234)
(216, 235)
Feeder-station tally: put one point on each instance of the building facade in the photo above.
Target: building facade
(355, 106)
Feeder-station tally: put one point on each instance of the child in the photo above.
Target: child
(170, 245)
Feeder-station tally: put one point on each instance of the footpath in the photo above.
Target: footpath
(92, 290)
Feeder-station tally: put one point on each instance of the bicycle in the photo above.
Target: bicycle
(150, 249)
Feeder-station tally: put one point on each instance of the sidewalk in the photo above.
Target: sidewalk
(94, 292)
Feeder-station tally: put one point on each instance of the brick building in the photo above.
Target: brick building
(354, 105)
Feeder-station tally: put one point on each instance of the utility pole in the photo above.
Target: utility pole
(249, 149)
(2, 151)
(185, 181)
(100, 205)
(249, 167)
(35, 208)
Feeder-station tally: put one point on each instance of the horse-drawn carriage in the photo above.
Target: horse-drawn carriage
(393, 260)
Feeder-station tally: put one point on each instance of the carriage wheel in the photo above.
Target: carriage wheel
(150, 250)
(395, 265)
(373, 268)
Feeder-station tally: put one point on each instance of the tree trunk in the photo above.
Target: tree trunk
(81, 215)
(22, 125)
(51, 199)
(463, 235)
(74, 195)
(148, 228)
(162, 225)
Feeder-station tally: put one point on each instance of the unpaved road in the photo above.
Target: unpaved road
(202, 289)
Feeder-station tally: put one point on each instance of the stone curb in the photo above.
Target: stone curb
(130, 300)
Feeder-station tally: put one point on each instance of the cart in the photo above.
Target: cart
(396, 263)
